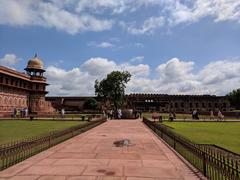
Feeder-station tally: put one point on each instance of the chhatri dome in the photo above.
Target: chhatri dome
(35, 64)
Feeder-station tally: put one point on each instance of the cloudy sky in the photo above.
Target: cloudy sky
(169, 46)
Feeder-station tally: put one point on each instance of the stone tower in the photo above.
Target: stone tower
(38, 91)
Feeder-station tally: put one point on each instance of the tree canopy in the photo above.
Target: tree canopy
(113, 87)
(91, 104)
(234, 98)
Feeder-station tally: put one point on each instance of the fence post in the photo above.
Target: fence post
(49, 141)
(204, 165)
(238, 170)
(174, 142)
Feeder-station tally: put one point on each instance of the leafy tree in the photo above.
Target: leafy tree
(234, 98)
(112, 88)
(91, 104)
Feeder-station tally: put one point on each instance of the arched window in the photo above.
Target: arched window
(5, 100)
(15, 101)
(176, 105)
(10, 101)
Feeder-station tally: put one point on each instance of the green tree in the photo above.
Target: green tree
(90, 104)
(112, 88)
(234, 98)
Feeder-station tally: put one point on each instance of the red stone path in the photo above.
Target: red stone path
(93, 156)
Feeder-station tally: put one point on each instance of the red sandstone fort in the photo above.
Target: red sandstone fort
(27, 90)
(24, 90)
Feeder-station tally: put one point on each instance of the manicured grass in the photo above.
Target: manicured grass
(165, 116)
(78, 115)
(11, 130)
(223, 134)
(178, 116)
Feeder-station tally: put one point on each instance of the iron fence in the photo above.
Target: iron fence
(16, 151)
(214, 162)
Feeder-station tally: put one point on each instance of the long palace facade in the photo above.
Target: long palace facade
(178, 103)
(155, 102)
(26, 90)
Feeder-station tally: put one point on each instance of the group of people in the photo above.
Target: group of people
(137, 114)
(172, 116)
(219, 115)
(20, 113)
(111, 114)
(195, 114)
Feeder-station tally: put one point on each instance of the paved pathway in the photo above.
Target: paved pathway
(94, 156)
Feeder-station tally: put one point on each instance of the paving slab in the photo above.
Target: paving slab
(115, 150)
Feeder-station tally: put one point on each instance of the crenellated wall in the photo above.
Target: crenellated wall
(178, 103)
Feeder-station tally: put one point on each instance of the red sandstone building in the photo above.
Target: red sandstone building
(27, 90)
(24, 90)
(179, 103)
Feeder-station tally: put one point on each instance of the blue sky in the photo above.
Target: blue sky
(175, 47)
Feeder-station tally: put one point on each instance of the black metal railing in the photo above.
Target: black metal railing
(214, 162)
(16, 151)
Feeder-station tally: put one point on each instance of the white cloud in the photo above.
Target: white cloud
(115, 39)
(49, 14)
(74, 16)
(98, 66)
(101, 67)
(148, 27)
(140, 70)
(218, 77)
(80, 81)
(72, 82)
(9, 60)
(221, 76)
(137, 59)
(101, 45)
(223, 10)
(116, 7)
(173, 77)
(175, 70)
(174, 12)
(139, 45)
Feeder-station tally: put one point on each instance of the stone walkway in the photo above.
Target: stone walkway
(94, 156)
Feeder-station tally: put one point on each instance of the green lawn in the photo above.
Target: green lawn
(18, 129)
(223, 134)
(184, 116)
(179, 116)
(78, 115)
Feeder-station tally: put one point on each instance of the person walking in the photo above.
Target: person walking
(211, 115)
(111, 114)
(140, 114)
(18, 113)
(14, 112)
(62, 113)
(119, 112)
(26, 112)
(171, 117)
(220, 116)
